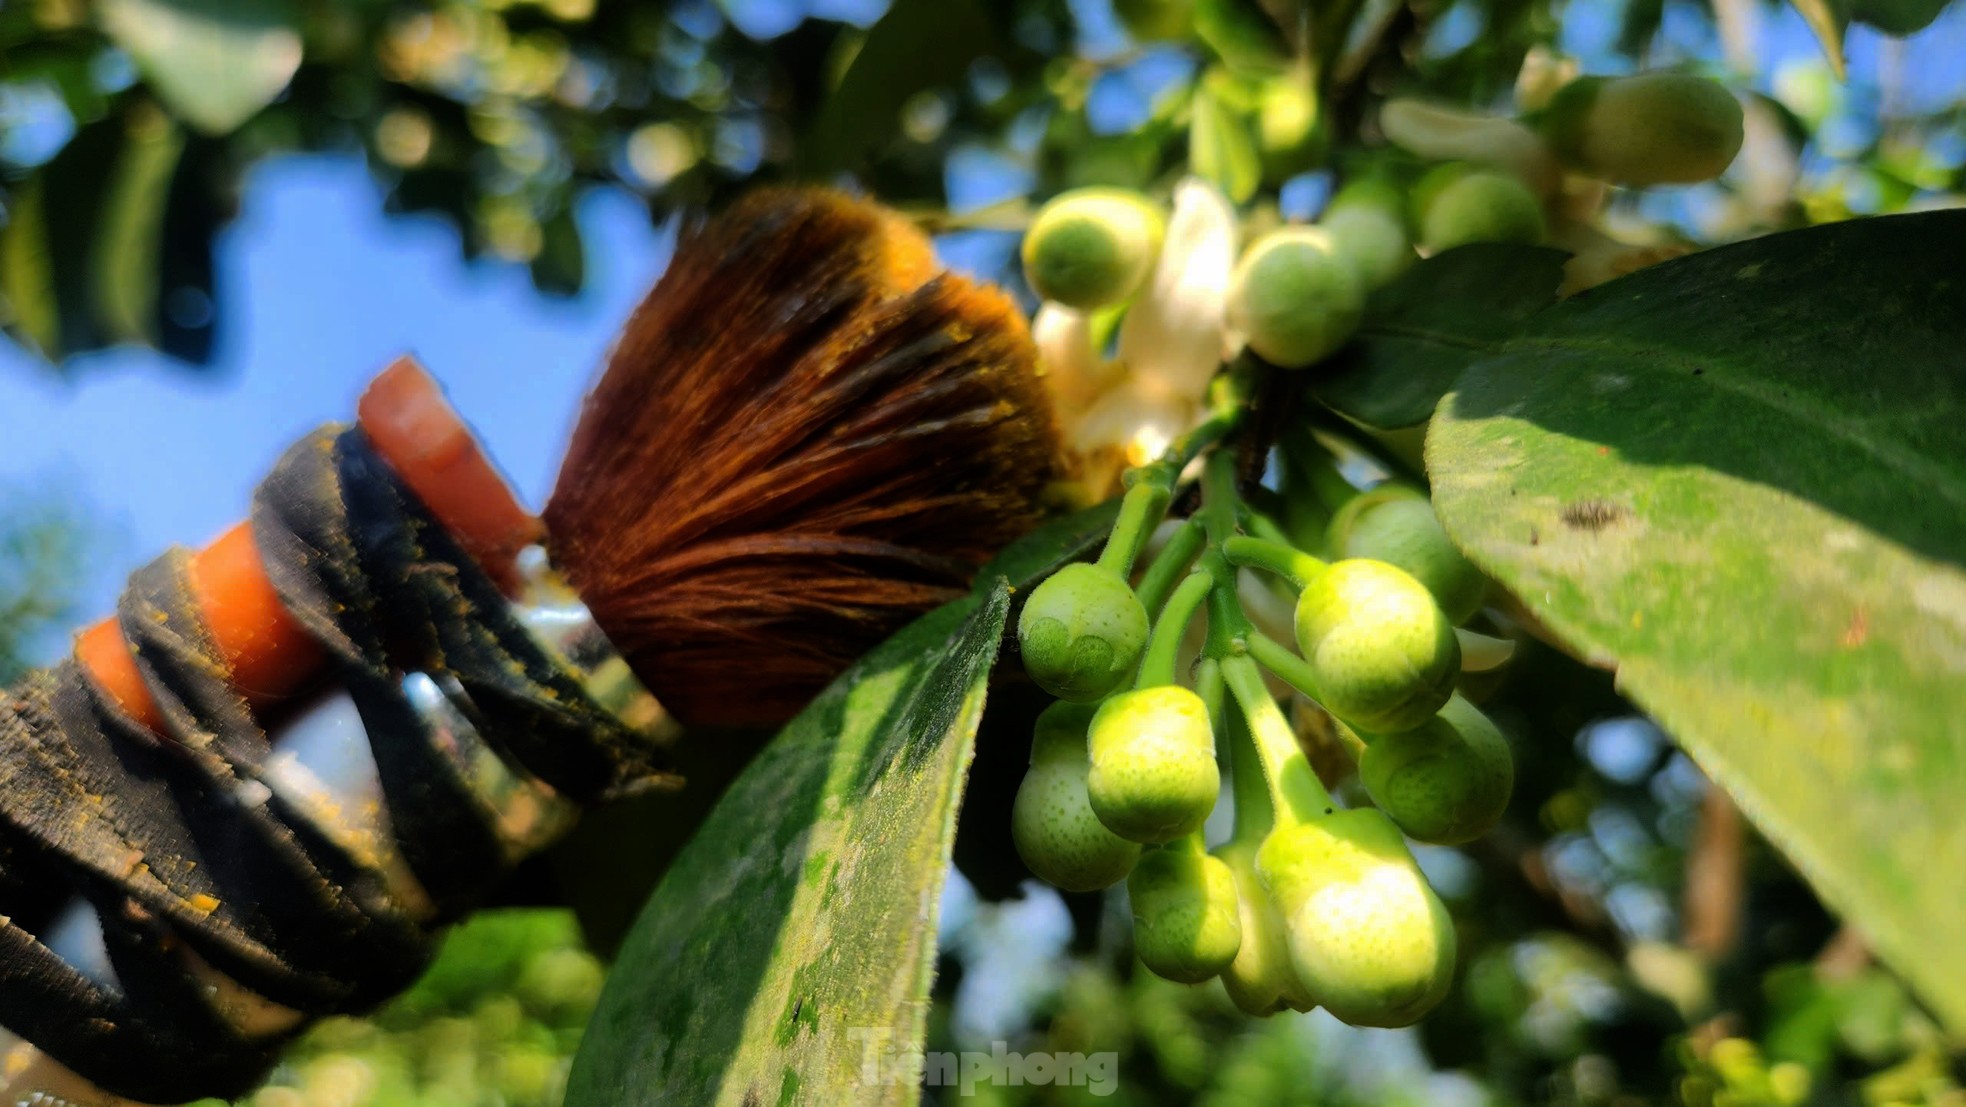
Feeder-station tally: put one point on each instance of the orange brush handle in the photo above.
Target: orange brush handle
(415, 430)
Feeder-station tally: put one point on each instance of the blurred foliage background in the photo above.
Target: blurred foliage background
(1626, 937)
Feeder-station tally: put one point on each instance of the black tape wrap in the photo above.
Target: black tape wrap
(179, 845)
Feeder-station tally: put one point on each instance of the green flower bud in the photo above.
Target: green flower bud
(1396, 524)
(1458, 205)
(1262, 980)
(1091, 247)
(1057, 834)
(1446, 781)
(1384, 655)
(1367, 936)
(1186, 923)
(1650, 129)
(1154, 777)
(1368, 231)
(1293, 298)
(1081, 632)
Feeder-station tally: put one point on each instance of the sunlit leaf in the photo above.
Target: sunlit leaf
(103, 234)
(1244, 34)
(1222, 146)
(1827, 20)
(214, 63)
(27, 281)
(130, 236)
(50, 246)
(1739, 479)
(798, 928)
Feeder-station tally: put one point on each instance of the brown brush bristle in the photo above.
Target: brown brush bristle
(804, 438)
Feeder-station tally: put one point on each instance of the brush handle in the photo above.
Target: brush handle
(270, 656)
(228, 885)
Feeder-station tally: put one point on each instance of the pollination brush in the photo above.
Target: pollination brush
(805, 436)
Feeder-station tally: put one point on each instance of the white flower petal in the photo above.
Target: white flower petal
(1071, 365)
(1138, 422)
(1172, 338)
(1443, 133)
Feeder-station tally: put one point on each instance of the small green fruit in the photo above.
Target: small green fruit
(1293, 297)
(1091, 247)
(1261, 981)
(1367, 936)
(1057, 834)
(1384, 655)
(1154, 777)
(1648, 129)
(1368, 231)
(1458, 205)
(1445, 782)
(1396, 524)
(1081, 632)
(1187, 926)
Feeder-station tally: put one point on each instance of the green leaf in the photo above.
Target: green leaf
(1221, 143)
(27, 279)
(101, 234)
(1431, 323)
(1739, 479)
(1243, 33)
(799, 925)
(1827, 19)
(918, 45)
(214, 63)
(1037, 555)
(560, 267)
(129, 240)
(1899, 18)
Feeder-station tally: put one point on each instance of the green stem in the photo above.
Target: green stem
(1188, 843)
(1286, 561)
(1248, 783)
(1261, 524)
(1157, 665)
(1150, 487)
(1219, 498)
(1284, 662)
(1228, 402)
(1141, 511)
(1315, 468)
(1295, 790)
(1209, 686)
(1227, 624)
(1169, 565)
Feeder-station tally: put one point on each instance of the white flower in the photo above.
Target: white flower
(1126, 411)
(1171, 341)
(1072, 367)
(1441, 133)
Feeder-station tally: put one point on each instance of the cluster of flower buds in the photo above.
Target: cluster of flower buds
(1307, 903)
(1142, 302)
(1544, 177)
